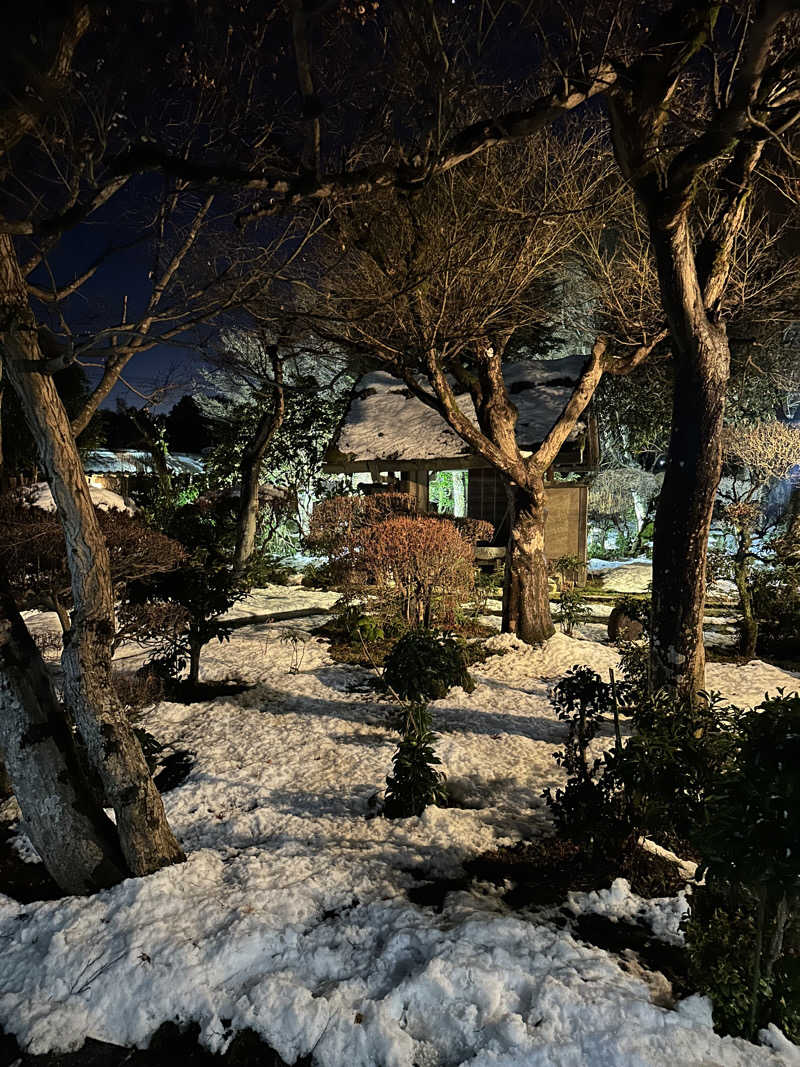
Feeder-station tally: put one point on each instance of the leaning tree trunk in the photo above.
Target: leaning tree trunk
(112, 749)
(748, 624)
(250, 470)
(74, 838)
(694, 466)
(526, 594)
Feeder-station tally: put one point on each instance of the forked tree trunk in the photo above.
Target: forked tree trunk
(526, 594)
(111, 746)
(75, 839)
(694, 466)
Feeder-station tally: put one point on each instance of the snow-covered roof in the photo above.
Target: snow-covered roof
(38, 495)
(103, 461)
(386, 422)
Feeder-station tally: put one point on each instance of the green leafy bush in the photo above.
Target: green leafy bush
(584, 808)
(424, 666)
(743, 931)
(775, 590)
(415, 782)
(657, 782)
(181, 611)
(668, 768)
(569, 570)
(354, 625)
(572, 609)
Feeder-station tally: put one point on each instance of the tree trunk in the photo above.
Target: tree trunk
(3, 472)
(195, 648)
(250, 470)
(112, 749)
(792, 535)
(526, 594)
(74, 838)
(694, 466)
(748, 624)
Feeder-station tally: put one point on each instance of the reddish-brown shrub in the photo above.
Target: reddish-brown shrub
(417, 569)
(33, 553)
(335, 522)
(473, 530)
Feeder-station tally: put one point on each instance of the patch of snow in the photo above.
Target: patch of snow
(596, 564)
(291, 914)
(662, 914)
(38, 495)
(133, 461)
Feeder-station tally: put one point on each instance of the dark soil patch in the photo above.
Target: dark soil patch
(170, 1045)
(623, 938)
(185, 693)
(23, 882)
(545, 870)
(433, 894)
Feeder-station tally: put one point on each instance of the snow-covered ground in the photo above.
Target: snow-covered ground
(635, 575)
(291, 914)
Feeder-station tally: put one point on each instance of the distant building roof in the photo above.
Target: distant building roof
(103, 461)
(386, 422)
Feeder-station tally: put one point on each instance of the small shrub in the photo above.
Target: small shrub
(319, 576)
(354, 626)
(658, 782)
(569, 570)
(335, 522)
(634, 661)
(417, 570)
(48, 641)
(670, 766)
(775, 590)
(137, 689)
(423, 667)
(572, 610)
(583, 808)
(415, 783)
(193, 597)
(474, 531)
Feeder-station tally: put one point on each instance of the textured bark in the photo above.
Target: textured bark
(694, 466)
(195, 648)
(111, 746)
(526, 593)
(748, 624)
(76, 841)
(250, 469)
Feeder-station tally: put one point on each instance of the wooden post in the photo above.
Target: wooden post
(415, 482)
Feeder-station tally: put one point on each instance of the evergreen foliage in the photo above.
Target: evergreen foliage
(743, 932)
(415, 782)
(195, 595)
(424, 666)
(572, 609)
